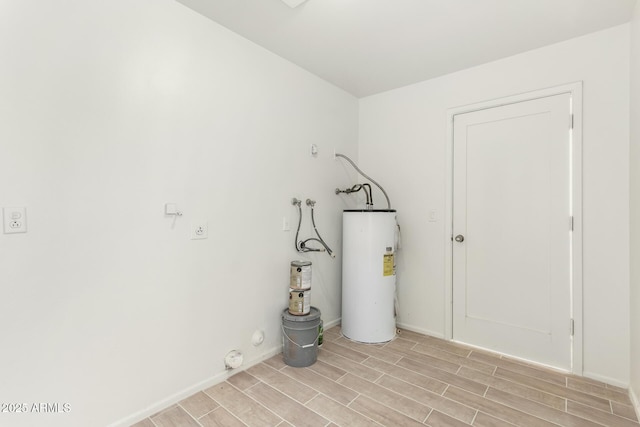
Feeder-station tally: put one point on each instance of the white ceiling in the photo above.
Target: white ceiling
(370, 46)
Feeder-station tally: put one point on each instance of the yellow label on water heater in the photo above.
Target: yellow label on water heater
(387, 265)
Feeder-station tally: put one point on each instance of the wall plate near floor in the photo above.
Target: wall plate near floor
(15, 220)
(199, 230)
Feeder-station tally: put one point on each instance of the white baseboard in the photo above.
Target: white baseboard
(331, 324)
(177, 397)
(605, 379)
(635, 401)
(418, 330)
(216, 379)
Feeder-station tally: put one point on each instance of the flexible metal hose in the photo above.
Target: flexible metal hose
(366, 176)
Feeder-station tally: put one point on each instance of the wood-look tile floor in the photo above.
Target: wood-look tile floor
(413, 380)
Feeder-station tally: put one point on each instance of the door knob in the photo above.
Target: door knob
(459, 238)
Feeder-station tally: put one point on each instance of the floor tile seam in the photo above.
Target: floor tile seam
(445, 381)
(266, 382)
(544, 370)
(359, 360)
(354, 410)
(589, 381)
(427, 417)
(350, 372)
(369, 418)
(478, 408)
(355, 398)
(400, 333)
(284, 393)
(324, 376)
(177, 405)
(606, 413)
(259, 403)
(250, 397)
(189, 413)
(384, 404)
(445, 390)
(473, 420)
(339, 355)
(414, 373)
(358, 412)
(595, 394)
(503, 418)
(163, 410)
(633, 420)
(538, 416)
(445, 373)
(436, 395)
(230, 413)
(215, 409)
(401, 395)
(439, 349)
(350, 349)
(415, 385)
(494, 416)
(600, 423)
(444, 348)
(459, 360)
(533, 365)
(616, 388)
(367, 354)
(552, 392)
(306, 384)
(318, 413)
(533, 389)
(417, 358)
(569, 398)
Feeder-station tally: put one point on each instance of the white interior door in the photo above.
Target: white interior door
(512, 229)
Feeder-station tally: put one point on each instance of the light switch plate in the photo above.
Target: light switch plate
(15, 220)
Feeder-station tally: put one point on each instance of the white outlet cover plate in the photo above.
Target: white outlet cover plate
(293, 3)
(15, 220)
(199, 230)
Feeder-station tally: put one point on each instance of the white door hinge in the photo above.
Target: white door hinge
(571, 223)
(571, 122)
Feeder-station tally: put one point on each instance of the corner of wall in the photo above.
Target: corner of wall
(634, 205)
(635, 402)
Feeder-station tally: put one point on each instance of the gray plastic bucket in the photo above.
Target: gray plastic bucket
(300, 338)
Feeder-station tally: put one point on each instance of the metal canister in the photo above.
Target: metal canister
(299, 301)
(300, 275)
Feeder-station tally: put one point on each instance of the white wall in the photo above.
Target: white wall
(109, 110)
(634, 166)
(402, 144)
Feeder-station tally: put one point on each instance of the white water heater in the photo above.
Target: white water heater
(368, 275)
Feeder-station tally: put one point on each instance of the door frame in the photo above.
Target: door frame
(575, 90)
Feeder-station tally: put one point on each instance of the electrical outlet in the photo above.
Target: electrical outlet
(15, 220)
(199, 230)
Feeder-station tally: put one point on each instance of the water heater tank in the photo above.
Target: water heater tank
(368, 275)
